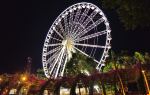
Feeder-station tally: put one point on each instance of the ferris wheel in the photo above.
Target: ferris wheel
(82, 27)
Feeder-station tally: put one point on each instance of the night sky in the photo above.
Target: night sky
(25, 23)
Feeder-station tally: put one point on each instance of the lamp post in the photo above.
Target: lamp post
(146, 82)
(1, 79)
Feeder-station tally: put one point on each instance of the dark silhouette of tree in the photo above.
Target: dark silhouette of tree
(132, 13)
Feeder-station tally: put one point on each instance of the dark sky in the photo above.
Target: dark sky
(25, 23)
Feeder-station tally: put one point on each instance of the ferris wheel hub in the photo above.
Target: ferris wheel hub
(69, 46)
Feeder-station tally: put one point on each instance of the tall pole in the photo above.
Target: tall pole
(122, 88)
(123, 92)
(146, 82)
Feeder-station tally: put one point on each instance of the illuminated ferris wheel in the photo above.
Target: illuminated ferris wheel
(82, 27)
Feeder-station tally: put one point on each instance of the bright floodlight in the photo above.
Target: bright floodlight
(83, 28)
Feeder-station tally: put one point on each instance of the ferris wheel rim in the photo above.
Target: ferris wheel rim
(50, 32)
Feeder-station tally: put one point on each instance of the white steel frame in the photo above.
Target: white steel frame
(71, 31)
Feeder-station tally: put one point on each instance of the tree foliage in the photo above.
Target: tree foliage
(40, 73)
(139, 57)
(132, 13)
(125, 60)
(79, 64)
(113, 62)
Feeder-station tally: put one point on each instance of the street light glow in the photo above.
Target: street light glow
(23, 78)
(143, 71)
(0, 79)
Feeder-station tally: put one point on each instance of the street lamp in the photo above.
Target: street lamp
(1, 79)
(23, 78)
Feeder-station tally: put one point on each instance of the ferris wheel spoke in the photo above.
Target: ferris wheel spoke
(92, 15)
(88, 45)
(56, 39)
(61, 27)
(53, 50)
(59, 63)
(71, 20)
(86, 22)
(84, 53)
(55, 62)
(74, 29)
(58, 44)
(77, 15)
(52, 57)
(80, 30)
(50, 60)
(76, 20)
(91, 36)
(89, 19)
(99, 21)
(63, 69)
(58, 33)
(83, 15)
(66, 24)
(77, 29)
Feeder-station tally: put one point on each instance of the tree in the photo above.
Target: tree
(78, 64)
(40, 74)
(113, 62)
(147, 58)
(132, 13)
(139, 57)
